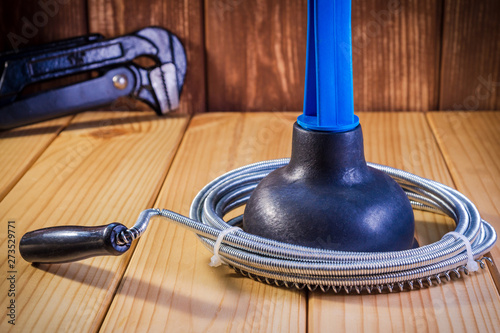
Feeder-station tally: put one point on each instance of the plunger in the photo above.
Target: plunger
(327, 196)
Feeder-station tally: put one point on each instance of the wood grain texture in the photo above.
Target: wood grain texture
(27, 23)
(470, 143)
(33, 22)
(396, 50)
(104, 167)
(469, 304)
(183, 18)
(470, 67)
(256, 54)
(168, 286)
(407, 55)
(21, 147)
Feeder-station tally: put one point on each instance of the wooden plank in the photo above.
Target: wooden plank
(470, 70)
(21, 147)
(470, 142)
(104, 167)
(256, 54)
(168, 285)
(32, 22)
(469, 304)
(396, 50)
(184, 18)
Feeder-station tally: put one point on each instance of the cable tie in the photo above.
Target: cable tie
(471, 264)
(216, 261)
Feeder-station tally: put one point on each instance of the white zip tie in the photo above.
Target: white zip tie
(471, 264)
(216, 261)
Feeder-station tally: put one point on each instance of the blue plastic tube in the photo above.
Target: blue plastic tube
(328, 97)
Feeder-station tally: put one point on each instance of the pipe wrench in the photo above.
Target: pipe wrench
(159, 86)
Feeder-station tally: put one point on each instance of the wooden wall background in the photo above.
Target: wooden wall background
(250, 54)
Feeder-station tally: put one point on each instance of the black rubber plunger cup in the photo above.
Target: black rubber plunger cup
(327, 196)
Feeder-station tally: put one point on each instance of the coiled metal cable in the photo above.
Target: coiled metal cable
(290, 265)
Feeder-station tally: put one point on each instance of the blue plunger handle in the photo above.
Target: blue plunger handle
(328, 97)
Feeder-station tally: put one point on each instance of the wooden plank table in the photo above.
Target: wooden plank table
(100, 167)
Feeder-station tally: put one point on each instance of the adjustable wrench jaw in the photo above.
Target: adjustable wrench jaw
(169, 50)
(160, 87)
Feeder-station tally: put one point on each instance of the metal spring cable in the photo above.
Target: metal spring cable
(291, 265)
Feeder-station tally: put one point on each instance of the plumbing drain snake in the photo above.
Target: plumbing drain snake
(288, 265)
